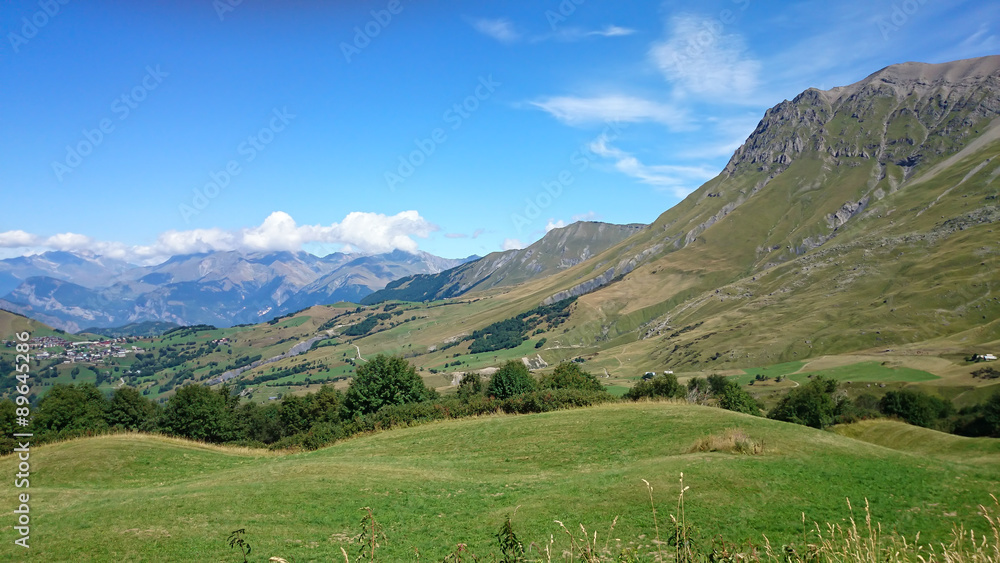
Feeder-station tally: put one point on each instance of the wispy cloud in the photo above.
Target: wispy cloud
(501, 29)
(579, 33)
(613, 31)
(505, 31)
(574, 110)
(366, 232)
(698, 57)
(681, 180)
(475, 234)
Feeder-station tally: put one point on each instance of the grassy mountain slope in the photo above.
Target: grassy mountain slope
(433, 486)
(558, 250)
(856, 218)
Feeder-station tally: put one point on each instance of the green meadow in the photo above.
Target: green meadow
(433, 486)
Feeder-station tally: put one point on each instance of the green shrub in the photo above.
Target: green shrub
(382, 381)
(513, 378)
(664, 385)
(569, 375)
(470, 386)
(914, 407)
(811, 404)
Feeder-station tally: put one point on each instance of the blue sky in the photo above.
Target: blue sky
(141, 130)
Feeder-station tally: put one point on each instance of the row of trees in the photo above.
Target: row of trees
(219, 416)
(819, 403)
(387, 391)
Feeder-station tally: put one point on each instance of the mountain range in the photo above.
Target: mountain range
(71, 291)
(558, 250)
(857, 218)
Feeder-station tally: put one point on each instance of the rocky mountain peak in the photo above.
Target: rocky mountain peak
(931, 106)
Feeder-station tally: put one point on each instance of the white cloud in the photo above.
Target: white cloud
(359, 231)
(613, 31)
(500, 29)
(553, 224)
(580, 111)
(682, 180)
(504, 31)
(578, 34)
(18, 239)
(512, 244)
(699, 58)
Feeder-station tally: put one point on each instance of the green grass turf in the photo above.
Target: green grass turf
(871, 371)
(435, 485)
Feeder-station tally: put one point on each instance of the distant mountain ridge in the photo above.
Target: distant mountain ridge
(71, 291)
(558, 250)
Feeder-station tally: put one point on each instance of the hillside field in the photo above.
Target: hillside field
(138, 497)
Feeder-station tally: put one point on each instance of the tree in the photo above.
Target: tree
(70, 408)
(569, 375)
(470, 386)
(199, 413)
(919, 409)
(384, 380)
(663, 385)
(512, 379)
(325, 405)
(255, 423)
(811, 404)
(735, 398)
(130, 410)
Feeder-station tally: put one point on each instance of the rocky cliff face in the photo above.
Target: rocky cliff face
(899, 115)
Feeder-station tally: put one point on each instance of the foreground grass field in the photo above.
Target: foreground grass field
(134, 497)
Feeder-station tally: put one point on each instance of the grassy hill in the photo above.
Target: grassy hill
(134, 497)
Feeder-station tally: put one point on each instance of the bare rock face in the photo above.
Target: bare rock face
(900, 115)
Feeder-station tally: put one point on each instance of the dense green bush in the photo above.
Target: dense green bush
(513, 378)
(663, 385)
(569, 375)
(915, 407)
(129, 410)
(382, 381)
(199, 413)
(811, 404)
(470, 386)
(735, 398)
(69, 408)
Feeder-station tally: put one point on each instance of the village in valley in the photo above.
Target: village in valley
(54, 348)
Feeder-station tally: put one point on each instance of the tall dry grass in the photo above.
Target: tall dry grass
(827, 543)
